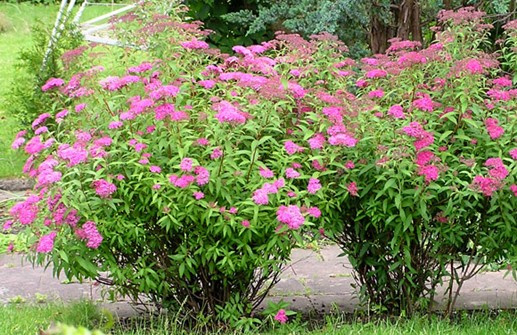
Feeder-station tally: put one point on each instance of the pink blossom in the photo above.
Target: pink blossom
(361, 83)
(317, 141)
(216, 153)
(349, 165)
(281, 316)
(155, 169)
(17, 143)
(202, 142)
(208, 84)
(90, 233)
(352, 189)
(199, 195)
(376, 73)
(493, 128)
(34, 145)
(397, 112)
(194, 44)
(376, 94)
(184, 181)
(424, 157)
(314, 212)
(343, 139)
(186, 164)
(104, 188)
(143, 67)
(513, 188)
(79, 108)
(233, 210)
(317, 165)
(314, 185)
(260, 197)
(245, 223)
(430, 172)
(40, 119)
(52, 83)
(226, 112)
(486, 185)
(425, 103)
(46, 243)
(513, 153)
(266, 173)
(115, 125)
(292, 147)
(290, 215)
(291, 173)
(474, 66)
(202, 175)
(26, 212)
(334, 114)
(502, 81)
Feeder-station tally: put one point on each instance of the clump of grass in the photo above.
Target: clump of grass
(30, 319)
(5, 23)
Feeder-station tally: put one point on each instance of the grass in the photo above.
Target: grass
(27, 319)
(16, 21)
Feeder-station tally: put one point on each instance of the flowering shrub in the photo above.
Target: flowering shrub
(188, 174)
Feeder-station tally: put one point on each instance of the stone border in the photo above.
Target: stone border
(16, 184)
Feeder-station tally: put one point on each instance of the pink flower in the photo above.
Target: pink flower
(314, 212)
(493, 129)
(474, 66)
(513, 188)
(78, 108)
(216, 153)
(424, 157)
(245, 223)
(202, 142)
(349, 165)
(430, 172)
(260, 197)
(104, 188)
(266, 173)
(115, 125)
(233, 210)
(343, 139)
(194, 44)
(46, 243)
(314, 185)
(486, 185)
(226, 112)
(425, 103)
(208, 84)
(155, 169)
(292, 147)
(92, 235)
(202, 175)
(290, 215)
(317, 141)
(40, 119)
(145, 66)
(184, 181)
(376, 73)
(397, 112)
(376, 94)
(291, 173)
(281, 316)
(352, 189)
(52, 83)
(186, 164)
(17, 143)
(199, 195)
(513, 153)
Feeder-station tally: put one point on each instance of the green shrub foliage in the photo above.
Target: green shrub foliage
(188, 175)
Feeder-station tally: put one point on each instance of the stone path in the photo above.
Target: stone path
(318, 282)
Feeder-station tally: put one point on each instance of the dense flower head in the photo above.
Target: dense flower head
(290, 215)
(281, 316)
(396, 111)
(493, 128)
(314, 185)
(194, 44)
(46, 243)
(266, 173)
(90, 233)
(52, 83)
(226, 112)
(292, 147)
(430, 172)
(486, 185)
(104, 188)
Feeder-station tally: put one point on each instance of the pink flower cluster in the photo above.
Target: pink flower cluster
(46, 243)
(423, 138)
(52, 83)
(290, 215)
(488, 185)
(26, 211)
(89, 232)
(260, 196)
(104, 188)
(430, 172)
(201, 175)
(226, 112)
(493, 128)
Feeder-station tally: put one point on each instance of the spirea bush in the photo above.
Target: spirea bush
(188, 175)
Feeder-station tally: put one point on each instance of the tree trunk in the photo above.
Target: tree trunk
(408, 26)
(379, 35)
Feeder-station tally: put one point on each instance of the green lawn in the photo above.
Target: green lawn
(27, 319)
(17, 20)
